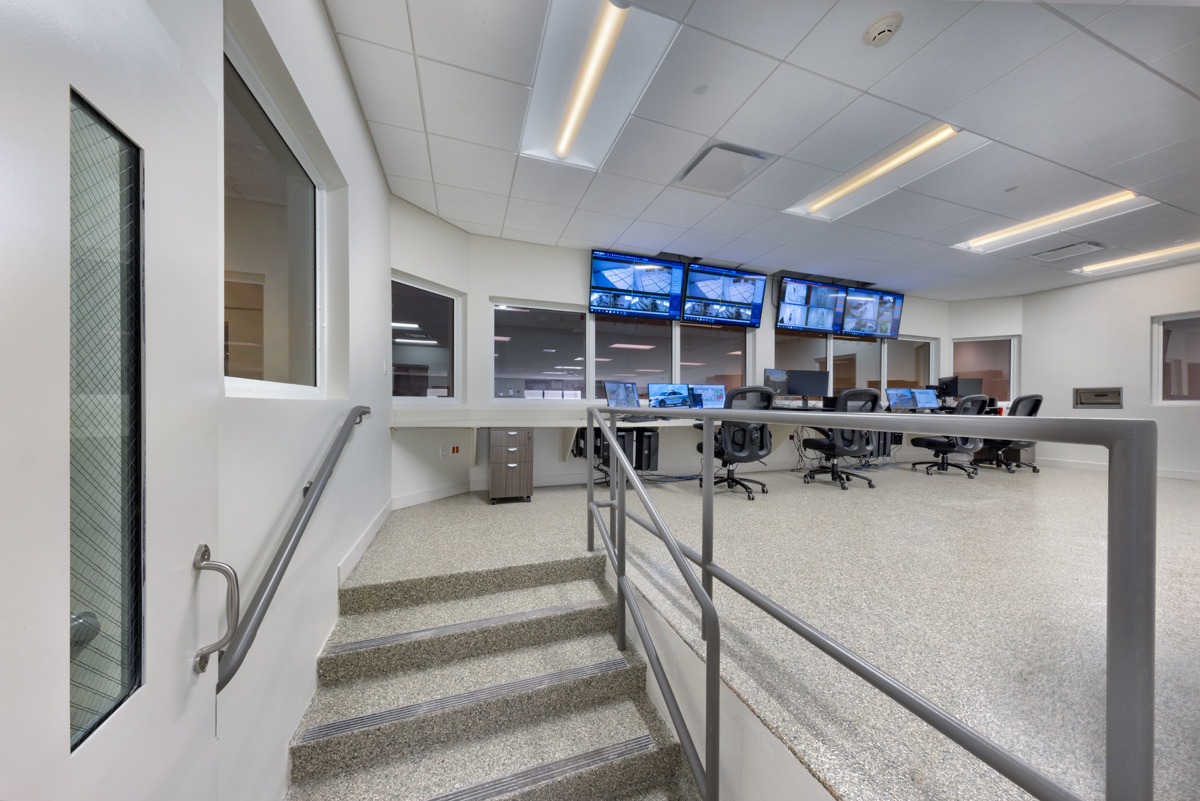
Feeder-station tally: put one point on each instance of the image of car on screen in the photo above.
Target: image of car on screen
(672, 397)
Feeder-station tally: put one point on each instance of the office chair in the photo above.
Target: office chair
(840, 442)
(942, 447)
(738, 442)
(1024, 406)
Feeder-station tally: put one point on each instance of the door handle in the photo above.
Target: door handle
(202, 561)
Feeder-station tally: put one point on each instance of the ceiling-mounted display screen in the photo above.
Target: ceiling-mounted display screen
(723, 295)
(636, 286)
(871, 313)
(810, 306)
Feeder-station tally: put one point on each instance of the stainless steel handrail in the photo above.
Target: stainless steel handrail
(203, 561)
(707, 775)
(1132, 476)
(231, 659)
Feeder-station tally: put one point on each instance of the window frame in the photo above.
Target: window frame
(458, 398)
(250, 387)
(1158, 356)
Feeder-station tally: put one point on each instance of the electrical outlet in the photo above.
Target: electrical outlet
(897, 438)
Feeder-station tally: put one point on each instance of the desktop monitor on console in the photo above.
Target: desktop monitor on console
(708, 396)
(925, 398)
(955, 387)
(623, 394)
(807, 383)
(776, 381)
(901, 400)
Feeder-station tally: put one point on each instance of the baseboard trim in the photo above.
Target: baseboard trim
(435, 494)
(1163, 472)
(352, 557)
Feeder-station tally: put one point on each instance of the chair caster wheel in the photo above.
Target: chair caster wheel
(807, 480)
(764, 490)
(914, 467)
(970, 475)
(528, 499)
(749, 496)
(871, 484)
(1036, 470)
(1011, 470)
(845, 487)
(929, 471)
(492, 501)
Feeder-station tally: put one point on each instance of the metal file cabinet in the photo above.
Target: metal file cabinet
(510, 463)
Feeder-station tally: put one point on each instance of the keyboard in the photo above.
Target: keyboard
(638, 418)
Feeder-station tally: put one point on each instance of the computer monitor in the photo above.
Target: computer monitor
(708, 396)
(635, 286)
(669, 396)
(807, 383)
(926, 398)
(723, 296)
(775, 380)
(810, 306)
(871, 313)
(955, 387)
(622, 393)
(901, 399)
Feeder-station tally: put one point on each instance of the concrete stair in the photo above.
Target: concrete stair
(500, 684)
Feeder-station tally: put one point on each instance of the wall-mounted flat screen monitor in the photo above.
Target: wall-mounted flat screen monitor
(636, 286)
(775, 380)
(810, 306)
(871, 313)
(622, 393)
(723, 296)
(807, 383)
(901, 399)
(708, 396)
(926, 398)
(669, 396)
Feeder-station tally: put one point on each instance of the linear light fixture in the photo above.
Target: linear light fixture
(902, 156)
(405, 325)
(633, 347)
(605, 31)
(416, 341)
(602, 360)
(1156, 255)
(1052, 219)
(692, 364)
(502, 339)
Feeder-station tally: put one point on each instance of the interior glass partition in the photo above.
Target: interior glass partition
(636, 350)
(908, 364)
(856, 363)
(1181, 359)
(988, 359)
(713, 354)
(538, 353)
(422, 343)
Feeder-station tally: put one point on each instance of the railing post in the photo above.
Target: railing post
(708, 473)
(618, 475)
(712, 717)
(591, 478)
(1132, 485)
(613, 461)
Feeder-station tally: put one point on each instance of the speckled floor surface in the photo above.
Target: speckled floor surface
(986, 596)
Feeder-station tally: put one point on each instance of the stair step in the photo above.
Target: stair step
(356, 597)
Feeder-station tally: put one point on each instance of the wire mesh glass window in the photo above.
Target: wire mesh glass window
(105, 427)
(422, 343)
(538, 353)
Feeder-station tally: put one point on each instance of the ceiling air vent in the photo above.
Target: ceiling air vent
(722, 169)
(1069, 251)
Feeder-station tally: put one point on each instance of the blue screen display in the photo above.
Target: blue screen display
(870, 313)
(708, 396)
(901, 399)
(669, 396)
(723, 296)
(810, 306)
(622, 393)
(925, 398)
(636, 286)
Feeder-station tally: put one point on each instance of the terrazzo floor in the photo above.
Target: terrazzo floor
(986, 596)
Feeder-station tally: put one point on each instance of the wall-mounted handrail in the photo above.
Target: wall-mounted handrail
(232, 657)
(1132, 476)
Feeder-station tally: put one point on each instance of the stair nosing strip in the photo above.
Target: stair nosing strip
(360, 722)
(453, 628)
(550, 770)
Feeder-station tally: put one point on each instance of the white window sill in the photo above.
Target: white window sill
(250, 388)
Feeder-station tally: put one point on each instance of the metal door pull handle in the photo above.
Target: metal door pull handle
(201, 561)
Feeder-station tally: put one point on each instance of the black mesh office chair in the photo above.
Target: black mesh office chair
(942, 447)
(738, 442)
(839, 442)
(1024, 406)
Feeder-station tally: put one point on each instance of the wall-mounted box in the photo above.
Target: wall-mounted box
(1098, 398)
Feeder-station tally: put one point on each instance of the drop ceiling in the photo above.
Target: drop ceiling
(1072, 102)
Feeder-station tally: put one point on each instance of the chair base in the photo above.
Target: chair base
(1000, 461)
(944, 466)
(835, 474)
(730, 480)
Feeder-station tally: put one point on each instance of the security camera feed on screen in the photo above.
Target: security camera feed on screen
(708, 396)
(669, 396)
(872, 314)
(775, 380)
(810, 306)
(622, 393)
(636, 286)
(901, 399)
(925, 398)
(723, 296)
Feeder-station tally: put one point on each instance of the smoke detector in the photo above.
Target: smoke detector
(880, 31)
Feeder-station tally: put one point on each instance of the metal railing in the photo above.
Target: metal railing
(247, 628)
(1132, 477)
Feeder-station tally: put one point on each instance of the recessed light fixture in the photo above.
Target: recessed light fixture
(692, 364)
(567, 367)
(632, 347)
(602, 360)
(405, 325)
(502, 339)
(1043, 225)
(1141, 260)
(734, 353)
(648, 370)
(605, 31)
(549, 350)
(416, 341)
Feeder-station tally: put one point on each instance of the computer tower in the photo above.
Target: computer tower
(646, 451)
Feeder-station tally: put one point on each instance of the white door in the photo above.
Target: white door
(109, 456)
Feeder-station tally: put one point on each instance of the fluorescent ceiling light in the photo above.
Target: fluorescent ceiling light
(405, 325)
(889, 163)
(567, 367)
(416, 341)
(1154, 256)
(734, 353)
(602, 360)
(1051, 219)
(692, 364)
(633, 347)
(648, 370)
(605, 31)
(502, 339)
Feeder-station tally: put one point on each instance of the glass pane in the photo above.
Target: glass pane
(629, 351)
(795, 350)
(1181, 359)
(538, 353)
(106, 448)
(856, 364)
(270, 248)
(712, 354)
(908, 364)
(989, 359)
(422, 343)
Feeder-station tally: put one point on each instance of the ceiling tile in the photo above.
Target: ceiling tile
(418, 193)
(471, 206)
(698, 244)
(671, 9)
(1151, 228)
(909, 214)
(822, 236)
(1040, 245)
(550, 182)
(499, 39)
(649, 236)
(401, 151)
(680, 207)
(542, 218)
(651, 151)
(969, 228)
(583, 244)
(985, 43)
(733, 218)
(789, 106)
(783, 183)
(596, 227)
(385, 81)
(1148, 32)
(1189, 202)
(1173, 186)
(867, 243)
(743, 251)
(471, 166)
(773, 27)
(784, 228)
(729, 73)
(536, 237)
(1182, 65)
(858, 132)
(1146, 168)
(615, 194)
(477, 228)
(1083, 13)
(472, 107)
(382, 23)
(783, 258)
(1039, 279)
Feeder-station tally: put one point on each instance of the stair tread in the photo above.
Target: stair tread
(369, 625)
(377, 693)
(445, 767)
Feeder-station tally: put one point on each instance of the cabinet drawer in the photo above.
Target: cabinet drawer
(501, 454)
(510, 479)
(511, 436)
